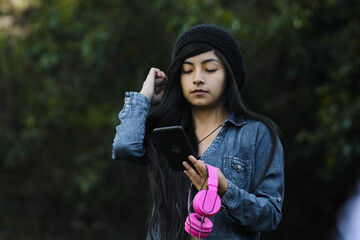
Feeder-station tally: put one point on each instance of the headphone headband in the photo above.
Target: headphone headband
(213, 177)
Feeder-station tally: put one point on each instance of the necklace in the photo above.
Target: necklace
(209, 134)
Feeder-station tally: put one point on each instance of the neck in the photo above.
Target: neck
(205, 120)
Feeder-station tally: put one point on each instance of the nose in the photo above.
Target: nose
(198, 78)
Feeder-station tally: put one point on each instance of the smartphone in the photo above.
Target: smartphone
(175, 145)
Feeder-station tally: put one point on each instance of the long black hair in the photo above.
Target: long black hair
(170, 188)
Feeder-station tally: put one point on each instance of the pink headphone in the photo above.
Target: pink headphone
(206, 204)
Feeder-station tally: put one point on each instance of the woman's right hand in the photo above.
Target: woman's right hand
(154, 85)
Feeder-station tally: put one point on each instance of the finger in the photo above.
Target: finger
(193, 176)
(153, 71)
(164, 75)
(189, 168)
(160, 81)
(199, 165)
(156, 72)
(159, 73)
(198, 177)
(193, 160)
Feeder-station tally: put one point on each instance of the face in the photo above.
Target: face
(203, 80)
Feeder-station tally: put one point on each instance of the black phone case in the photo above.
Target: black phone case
(175, 145)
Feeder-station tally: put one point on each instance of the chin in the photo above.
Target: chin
(204, 106)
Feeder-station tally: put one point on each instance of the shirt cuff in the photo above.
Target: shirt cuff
(135, 98)
(231, 196)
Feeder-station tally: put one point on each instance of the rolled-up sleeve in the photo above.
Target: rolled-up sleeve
(129, 137)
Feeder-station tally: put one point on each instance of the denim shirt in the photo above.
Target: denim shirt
(241, 151)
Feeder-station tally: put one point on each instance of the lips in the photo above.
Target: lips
(199, 91)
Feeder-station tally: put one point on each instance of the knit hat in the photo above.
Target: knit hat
(219, 39)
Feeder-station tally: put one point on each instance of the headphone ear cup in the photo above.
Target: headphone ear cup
(207, 203)
(193, 223)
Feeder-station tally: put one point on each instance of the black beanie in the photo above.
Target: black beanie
(219, 39)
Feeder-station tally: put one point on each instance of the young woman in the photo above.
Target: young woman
(201, 92)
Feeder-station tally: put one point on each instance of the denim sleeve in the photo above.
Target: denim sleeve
(260, 210)
(128, 141)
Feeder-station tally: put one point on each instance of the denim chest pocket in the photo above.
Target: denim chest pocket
(237, 171)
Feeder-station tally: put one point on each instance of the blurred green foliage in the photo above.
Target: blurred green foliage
(64, 68)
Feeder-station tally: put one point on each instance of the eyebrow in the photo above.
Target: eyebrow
(203, 62)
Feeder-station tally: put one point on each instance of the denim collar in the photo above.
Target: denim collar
(236, 120)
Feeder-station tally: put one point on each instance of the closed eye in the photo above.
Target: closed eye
(211, 70)
(185, 72)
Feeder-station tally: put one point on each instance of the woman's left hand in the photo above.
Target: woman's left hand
(197, 178)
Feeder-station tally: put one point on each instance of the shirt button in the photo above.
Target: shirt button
(239, 166)
(279, 199)
(128, 99)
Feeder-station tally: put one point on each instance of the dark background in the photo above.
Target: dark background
(64, 68)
